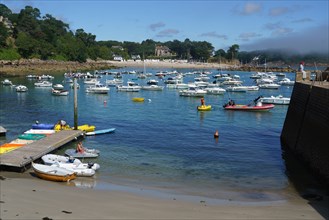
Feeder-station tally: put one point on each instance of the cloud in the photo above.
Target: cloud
(248, 36)
(155, 26)
(277, 28)
(215, 35)
(167, 33)
(249, 9)
(279, 11)
(308, 40)
(303, 20)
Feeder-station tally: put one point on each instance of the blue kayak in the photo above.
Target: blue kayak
(43, 126)
(104, 131)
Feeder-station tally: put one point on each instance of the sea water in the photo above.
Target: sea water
(164, 144)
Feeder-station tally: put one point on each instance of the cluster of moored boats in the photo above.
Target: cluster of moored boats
(58, 167)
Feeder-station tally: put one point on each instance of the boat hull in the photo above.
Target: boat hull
(53, 173)
(204, 107)
(104, 131)
(266, 107)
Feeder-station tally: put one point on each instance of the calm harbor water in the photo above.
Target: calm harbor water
(164, 143)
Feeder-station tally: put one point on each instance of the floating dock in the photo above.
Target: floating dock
(20, 159)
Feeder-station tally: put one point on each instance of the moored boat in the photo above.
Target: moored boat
(138, 99)
(57, 92)
(51, 173)
(256, 106)
(50, 159)
(279, 100)
(79, 169)
(85, 154)
(21, 88)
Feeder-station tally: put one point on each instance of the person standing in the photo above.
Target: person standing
(301, 69)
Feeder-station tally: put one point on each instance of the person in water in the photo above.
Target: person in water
(80, 148)
(202, 102)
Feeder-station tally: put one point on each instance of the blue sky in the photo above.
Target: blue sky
(300, 26)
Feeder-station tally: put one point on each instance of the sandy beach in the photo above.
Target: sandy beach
(25, 67)
(24, 196)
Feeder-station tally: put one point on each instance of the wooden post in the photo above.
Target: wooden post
(75, 104)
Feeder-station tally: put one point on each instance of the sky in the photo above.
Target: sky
(297, 26)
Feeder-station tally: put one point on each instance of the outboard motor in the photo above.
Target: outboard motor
(90, 165)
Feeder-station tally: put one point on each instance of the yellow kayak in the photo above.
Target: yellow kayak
(138, 99)
(85, 127)
(204, 107)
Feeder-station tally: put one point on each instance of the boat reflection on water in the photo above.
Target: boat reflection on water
(85, 183)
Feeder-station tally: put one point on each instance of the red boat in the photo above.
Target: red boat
(257, 106)
(263, 107)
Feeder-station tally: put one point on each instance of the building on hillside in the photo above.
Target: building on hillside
(117, 47)
(136, 57)
(117, 58)
(162, 51)
(6, 22)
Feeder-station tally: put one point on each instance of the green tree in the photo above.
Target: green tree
(5, 11)
(4, 34)
(232, 52)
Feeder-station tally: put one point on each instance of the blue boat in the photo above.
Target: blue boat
(104, 131)
(43, 126)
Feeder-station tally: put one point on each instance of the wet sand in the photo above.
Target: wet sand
(24, 196)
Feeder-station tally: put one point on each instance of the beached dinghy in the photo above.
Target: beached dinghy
(51, 173)
(79, 169)
(50, 159)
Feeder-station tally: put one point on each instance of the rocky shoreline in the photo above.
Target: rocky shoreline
(34, 66)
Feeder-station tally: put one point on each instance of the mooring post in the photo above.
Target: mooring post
(75, 104)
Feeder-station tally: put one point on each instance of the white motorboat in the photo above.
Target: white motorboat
(91, 81)
(269, 86)
(130, 87)
(231, 82)
(193, 90)
(58, 86)
(286, 82)
(43, 84)
(153, 87)
(279, 100)
(59, 92)
(237, 88)
(98, 88)
(6, 82)
(50, 159)
(79, 169)
(114, 82)
(215, 90)
(21, 88)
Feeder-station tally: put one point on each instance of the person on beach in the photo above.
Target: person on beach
(301, 69)
(80, 148)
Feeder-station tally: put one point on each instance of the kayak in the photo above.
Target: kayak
(31, 136)
(85, 128)
(204, 107)
(40, 131)
(43, 126)
(104, 131)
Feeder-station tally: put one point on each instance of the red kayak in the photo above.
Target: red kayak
(263, 107)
